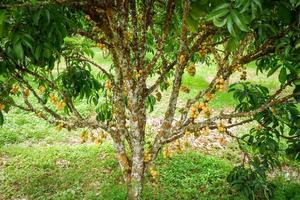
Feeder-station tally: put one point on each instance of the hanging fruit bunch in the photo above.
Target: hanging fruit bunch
(191, 69)
(220, 84)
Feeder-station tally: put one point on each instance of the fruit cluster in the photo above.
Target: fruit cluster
(191, 69)
(147, 156)
(108, 85)
(14, 89)
(98, 138)
(202, 52)
(2, 106)
(221, 127)
(60, 104)
(198, 108)
(220, 84)
(184, 89)
(181, 59)
(153, 172)
(167, 152)
(243, 76)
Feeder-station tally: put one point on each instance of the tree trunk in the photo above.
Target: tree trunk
(135, 187)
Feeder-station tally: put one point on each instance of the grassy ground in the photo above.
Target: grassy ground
(38, 162)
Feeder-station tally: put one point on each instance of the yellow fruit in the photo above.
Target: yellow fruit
(147, 157)
(60, 126)
(207, 112)
(202, 52)
(209, 96)
(191, 69)
(187, 133)
(221, 128)
(84, 135)
(14, 89)
(205, 130)
(40, 114)
(53, 98)
(60, 105)
(137, 75)
(108, 85)
(42, 89)
(87, 17)
(26, 92)
(184, 89)
(2, 107)
(221, 88)
(153, 172)
(259, 127)
(181, 59)
(167, 153)
(201, 105)
(158, 96)
(101, 46)
(98, 141)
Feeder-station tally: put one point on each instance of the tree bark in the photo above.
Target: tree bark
(135, 187)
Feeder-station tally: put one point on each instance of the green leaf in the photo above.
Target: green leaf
(230, 26)
(282, 75)
(273, 70)
(18, 50)
(36, 17)
(239, 21)
(219, 23)
(216, 14)
(1, 118)
(47, 16)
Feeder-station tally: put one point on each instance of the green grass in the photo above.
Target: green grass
(90, 172)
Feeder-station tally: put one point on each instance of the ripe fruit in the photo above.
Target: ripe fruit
(181, 59)
(187, 133)
(201, 105)
(60, 126)
(108, 85)
(137, 76)
(53, 98)
(243, 75)
(184, 89)
(153, 172)
(2, 107)
(14, 89)
(167, 153)
(207, 112)
(205, 130)
(194, 112)
(42, 89)
(60, 105)
(40, 114)
(158, 96)
(26, 92)
(84, 136)
(221, 127)
(202, 52)
(259, 127)
(87, 17)
(98, 141)
(191, 69)
(101, 45)
(220, 84)
(209, 96)
(147, 157)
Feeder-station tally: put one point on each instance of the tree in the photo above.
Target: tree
(160, 39)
